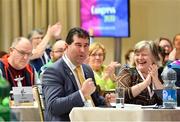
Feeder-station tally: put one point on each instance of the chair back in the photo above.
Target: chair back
(38, 98)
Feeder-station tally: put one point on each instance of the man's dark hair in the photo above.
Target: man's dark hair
(76, 31)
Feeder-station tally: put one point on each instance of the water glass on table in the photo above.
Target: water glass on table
(120, 92)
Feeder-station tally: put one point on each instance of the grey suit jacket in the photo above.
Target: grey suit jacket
(61, 91)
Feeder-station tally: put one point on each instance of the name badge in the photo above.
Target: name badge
(22, 95)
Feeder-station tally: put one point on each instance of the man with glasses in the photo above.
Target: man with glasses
(56, 53)
(15, 66)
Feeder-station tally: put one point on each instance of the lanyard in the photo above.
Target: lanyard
(151, 92)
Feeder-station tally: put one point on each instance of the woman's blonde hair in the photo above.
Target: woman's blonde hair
(96, 46)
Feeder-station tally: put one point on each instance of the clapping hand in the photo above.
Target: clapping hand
(153, 72)
(110, 69)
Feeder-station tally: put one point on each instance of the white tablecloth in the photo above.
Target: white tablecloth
(95, 114)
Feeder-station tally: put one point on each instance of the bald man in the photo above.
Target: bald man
(56, 53)
(57, 50)
(15, 66)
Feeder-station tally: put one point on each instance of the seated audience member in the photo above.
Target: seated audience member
(2, 53)
(14, 66)
(140, 81)
(104, 75)
(167, 47)
(129, 58)
(57, 52)
(68, 82)
(41, 51)
(175, 54)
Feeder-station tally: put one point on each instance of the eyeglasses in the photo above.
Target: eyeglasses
(95, 54)
(58, 51)
(22, 53)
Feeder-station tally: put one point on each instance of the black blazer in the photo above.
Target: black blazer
(61, 91)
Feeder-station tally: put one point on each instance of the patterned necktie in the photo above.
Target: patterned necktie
(81, 79)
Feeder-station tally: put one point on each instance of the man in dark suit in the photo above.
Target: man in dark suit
(62, 88)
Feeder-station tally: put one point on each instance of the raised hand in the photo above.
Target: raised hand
(54, 31)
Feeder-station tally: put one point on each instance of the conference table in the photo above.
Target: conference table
(97, 114)
(26, 112)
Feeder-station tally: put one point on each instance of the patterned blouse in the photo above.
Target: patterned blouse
(131, 77)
